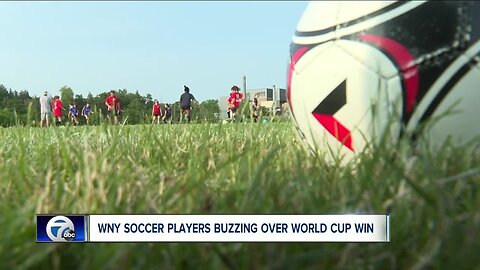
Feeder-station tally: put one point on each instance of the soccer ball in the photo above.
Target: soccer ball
(360, 71)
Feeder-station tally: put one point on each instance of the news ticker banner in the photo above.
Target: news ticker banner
(213, 228)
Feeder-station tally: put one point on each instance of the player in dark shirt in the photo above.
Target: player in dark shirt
(255, 107)
(73, 113)
(86, 111)
(186, 103)
(167, 117)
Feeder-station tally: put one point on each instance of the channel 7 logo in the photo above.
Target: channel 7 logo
(61, 228)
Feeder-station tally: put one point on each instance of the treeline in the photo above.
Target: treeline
(19, 108)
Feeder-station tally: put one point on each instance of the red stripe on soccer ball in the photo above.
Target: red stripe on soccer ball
(340, 132)
(405, 61)
(294, 60)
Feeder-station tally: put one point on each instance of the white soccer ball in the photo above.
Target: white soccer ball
(362, 70)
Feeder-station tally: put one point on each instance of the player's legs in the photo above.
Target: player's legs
(188, 115)
(115, 116)
(42, 119)
(47, 119)
(183, 113)
(167, 120)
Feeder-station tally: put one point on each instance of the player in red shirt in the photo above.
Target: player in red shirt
(231, 107)
(57, 110)
(156, 111)
(234, 101)
(113, 106)
(238, 97)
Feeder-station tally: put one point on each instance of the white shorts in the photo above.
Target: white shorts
(44, 116)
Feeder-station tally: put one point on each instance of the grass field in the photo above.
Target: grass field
(233, 168)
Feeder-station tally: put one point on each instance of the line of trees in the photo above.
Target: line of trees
(19, 108)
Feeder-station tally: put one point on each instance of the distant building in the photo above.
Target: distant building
(274, 99)
(222, 104)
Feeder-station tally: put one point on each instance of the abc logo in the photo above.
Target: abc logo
(69, 235)
(60, 229)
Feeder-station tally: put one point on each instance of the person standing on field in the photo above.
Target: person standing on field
(231, 107)
(156, 112)
(185, 103)
(167, 116)
(234, 101)
(45, 109)
(255, 108)
(113, 106)
(118, 108)
(238, 97)
(57, 110)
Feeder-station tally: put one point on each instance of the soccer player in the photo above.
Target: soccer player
(86, 111)
(234, 101)
(45, 109)
(185, 103)
(113, 106)
(58, 110)
(73, 113)
(167, 116)
(156, 111)
(231, 107)
(255, 108)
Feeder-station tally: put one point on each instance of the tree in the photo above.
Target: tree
(135, 112)
(175, 111)
(148, 103)
(90, 98)
(80, 101)
(7, 118)
(209, 110)
(66, 94)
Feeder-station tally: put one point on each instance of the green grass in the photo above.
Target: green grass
(233, 168)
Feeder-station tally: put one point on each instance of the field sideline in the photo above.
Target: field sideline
(232, 168)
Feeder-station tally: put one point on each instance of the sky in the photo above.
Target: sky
(152, 47)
